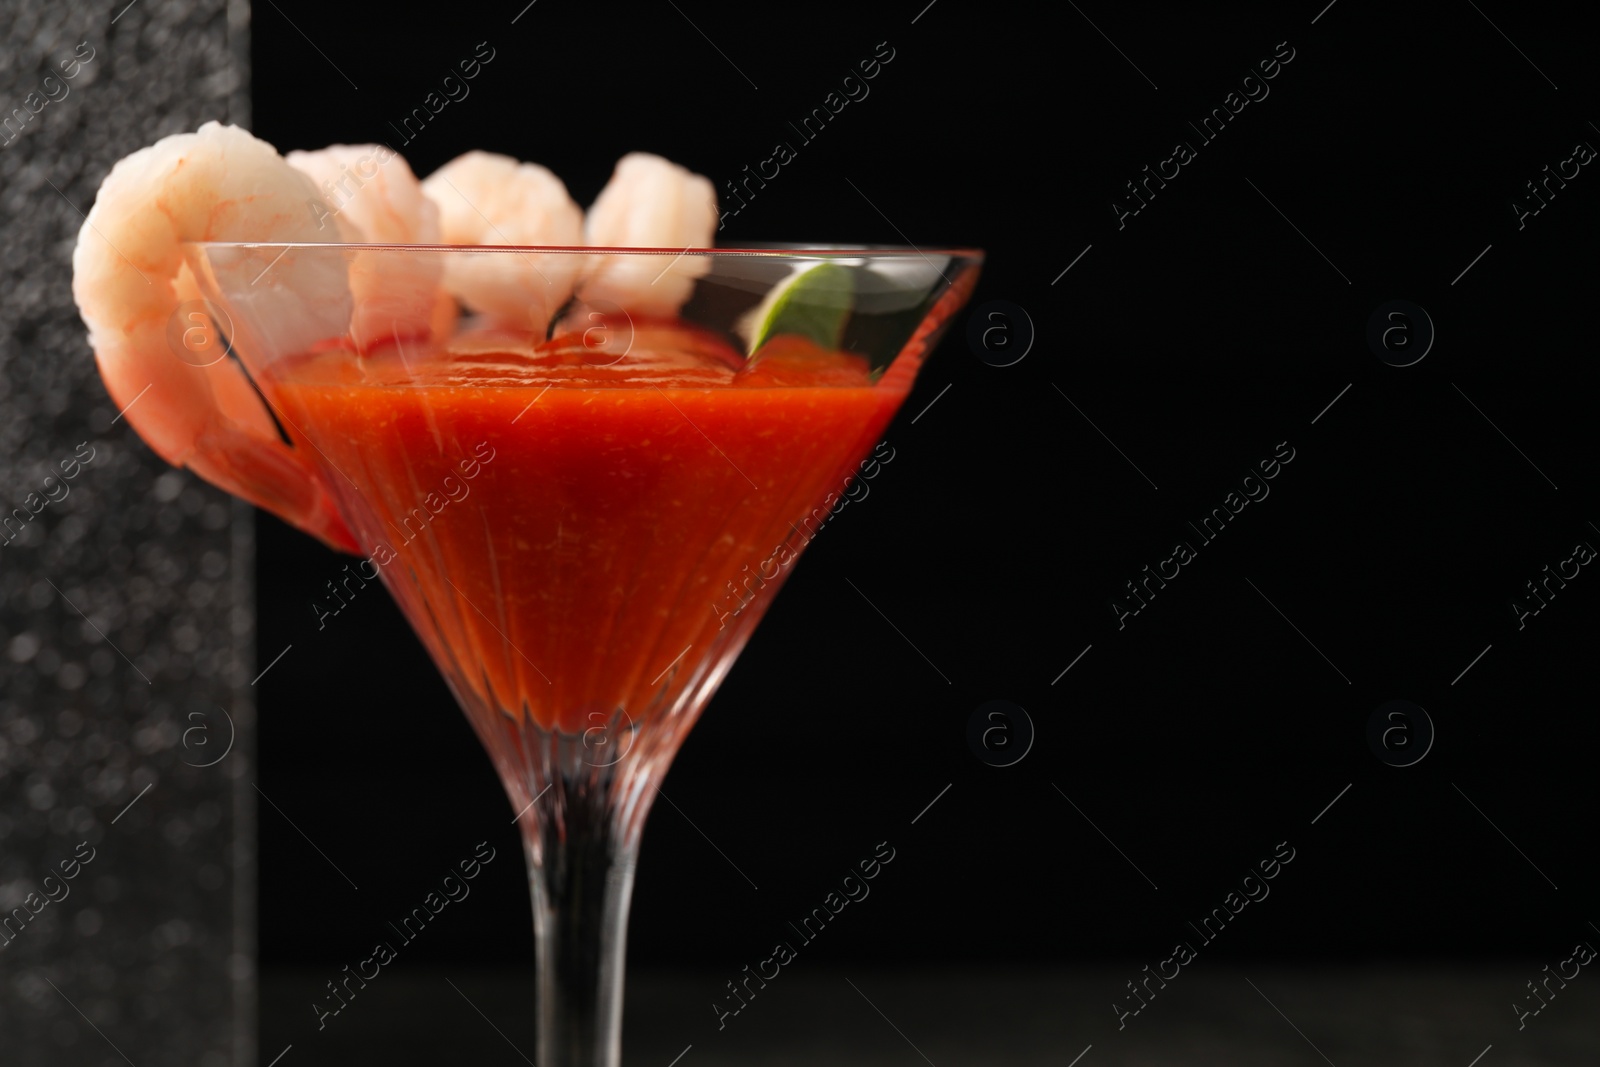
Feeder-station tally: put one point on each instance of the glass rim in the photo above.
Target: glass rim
(752, 249)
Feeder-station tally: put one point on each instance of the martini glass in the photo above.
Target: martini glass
(583, 521)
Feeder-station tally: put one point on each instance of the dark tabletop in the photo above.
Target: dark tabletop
(1368, 1016)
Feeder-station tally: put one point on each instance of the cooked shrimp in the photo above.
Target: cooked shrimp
(371, 189)
(130, 279)
(486, 199)
(649, 203)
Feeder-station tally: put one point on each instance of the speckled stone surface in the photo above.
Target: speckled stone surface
(125, 615)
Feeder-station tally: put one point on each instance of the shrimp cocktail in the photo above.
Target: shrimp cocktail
(582, 449)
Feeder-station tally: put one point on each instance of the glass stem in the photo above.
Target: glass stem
(580, 867)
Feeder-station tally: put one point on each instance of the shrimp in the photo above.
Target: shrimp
(373, 189)
(373, 193)
(131, 283)
(487, 199)
(648, 203)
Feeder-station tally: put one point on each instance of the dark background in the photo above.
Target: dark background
(1196, 338)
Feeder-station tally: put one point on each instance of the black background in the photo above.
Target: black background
(1196, 338)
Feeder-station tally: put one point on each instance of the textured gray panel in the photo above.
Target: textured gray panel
(125, 611)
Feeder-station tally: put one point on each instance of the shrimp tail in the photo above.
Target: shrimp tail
(275, 480)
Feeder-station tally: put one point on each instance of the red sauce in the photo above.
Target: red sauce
(559, 531)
